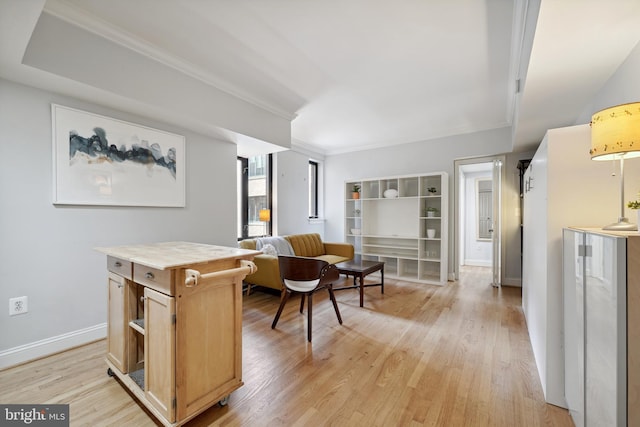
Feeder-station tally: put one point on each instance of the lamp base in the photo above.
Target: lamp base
(623, 224)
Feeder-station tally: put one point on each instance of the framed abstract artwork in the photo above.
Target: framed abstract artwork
(98, 160)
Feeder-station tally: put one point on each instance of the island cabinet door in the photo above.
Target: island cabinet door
(117, 326)
(159, 352)
(209, 337)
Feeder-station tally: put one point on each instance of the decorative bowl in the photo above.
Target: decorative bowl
(390, 193)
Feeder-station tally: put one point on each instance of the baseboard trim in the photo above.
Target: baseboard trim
(513, 281)
(477, 263)
(38, 349)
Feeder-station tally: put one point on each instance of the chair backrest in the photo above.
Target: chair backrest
(300, 268)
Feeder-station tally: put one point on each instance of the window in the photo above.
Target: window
(254, 195)
(313, 189)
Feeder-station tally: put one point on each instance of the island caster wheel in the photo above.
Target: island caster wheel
(110, 372)
(224, 401)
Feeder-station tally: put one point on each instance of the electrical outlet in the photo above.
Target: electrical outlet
(18, 306)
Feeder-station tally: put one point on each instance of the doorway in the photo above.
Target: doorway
(478, 215)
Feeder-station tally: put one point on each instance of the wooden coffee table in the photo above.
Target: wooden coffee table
(359, 269)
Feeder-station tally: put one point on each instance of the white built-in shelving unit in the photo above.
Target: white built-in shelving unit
(389, 221)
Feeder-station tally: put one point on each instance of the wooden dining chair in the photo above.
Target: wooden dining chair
(306, 276)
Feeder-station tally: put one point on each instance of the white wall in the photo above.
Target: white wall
(46, 251)
(420, 157)
(623, 87)
(291, 195)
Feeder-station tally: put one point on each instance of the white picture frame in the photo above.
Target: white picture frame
(99, 160)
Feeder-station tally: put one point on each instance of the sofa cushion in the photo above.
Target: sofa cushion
(309, 245)
(332, 259)
(247, 244)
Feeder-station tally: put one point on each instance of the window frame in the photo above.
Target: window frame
(243, 208)
(314, 211)
(243, 204)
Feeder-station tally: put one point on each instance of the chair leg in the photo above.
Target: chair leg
(283, 301)
(335, 304)
(301, 302)
(309, 321)
(248, 288)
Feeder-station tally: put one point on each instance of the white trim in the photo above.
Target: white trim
(513, 281)
(478, 262)
(48, 346)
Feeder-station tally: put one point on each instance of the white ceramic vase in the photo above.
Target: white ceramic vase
(390, 193)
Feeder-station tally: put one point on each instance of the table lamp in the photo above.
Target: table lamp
(615, 135)
(265, 216)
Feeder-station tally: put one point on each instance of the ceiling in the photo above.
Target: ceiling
(356, 74)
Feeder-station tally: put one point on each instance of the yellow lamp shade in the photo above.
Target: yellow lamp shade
(265, 215)
(615, 132)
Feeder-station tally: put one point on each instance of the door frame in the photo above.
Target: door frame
(457, 214)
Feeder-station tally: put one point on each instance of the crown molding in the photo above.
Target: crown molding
(93, 24)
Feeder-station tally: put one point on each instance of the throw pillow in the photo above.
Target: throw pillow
(269, 250)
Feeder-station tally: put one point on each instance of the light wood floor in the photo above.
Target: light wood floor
(418, 355)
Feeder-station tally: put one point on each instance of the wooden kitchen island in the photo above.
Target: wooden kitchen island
(175, 324)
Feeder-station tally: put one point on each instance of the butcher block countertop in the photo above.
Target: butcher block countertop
(168, 255)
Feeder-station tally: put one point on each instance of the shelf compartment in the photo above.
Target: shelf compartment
(353, 207)
(356, 241)
(430, 277)
(430, 250)
(408, 268)
(390, 265)
(409, 187)
(137, 325)
(370, 190)
(427, 203)
(138, 377)
(352, 221)
(391, 242)
(432, 181)
(396, 247)
(388, 184)
(430, 223)
(429, 271)
(389, 253)
(348, 189)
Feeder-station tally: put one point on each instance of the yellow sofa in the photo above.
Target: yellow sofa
(306, 245)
